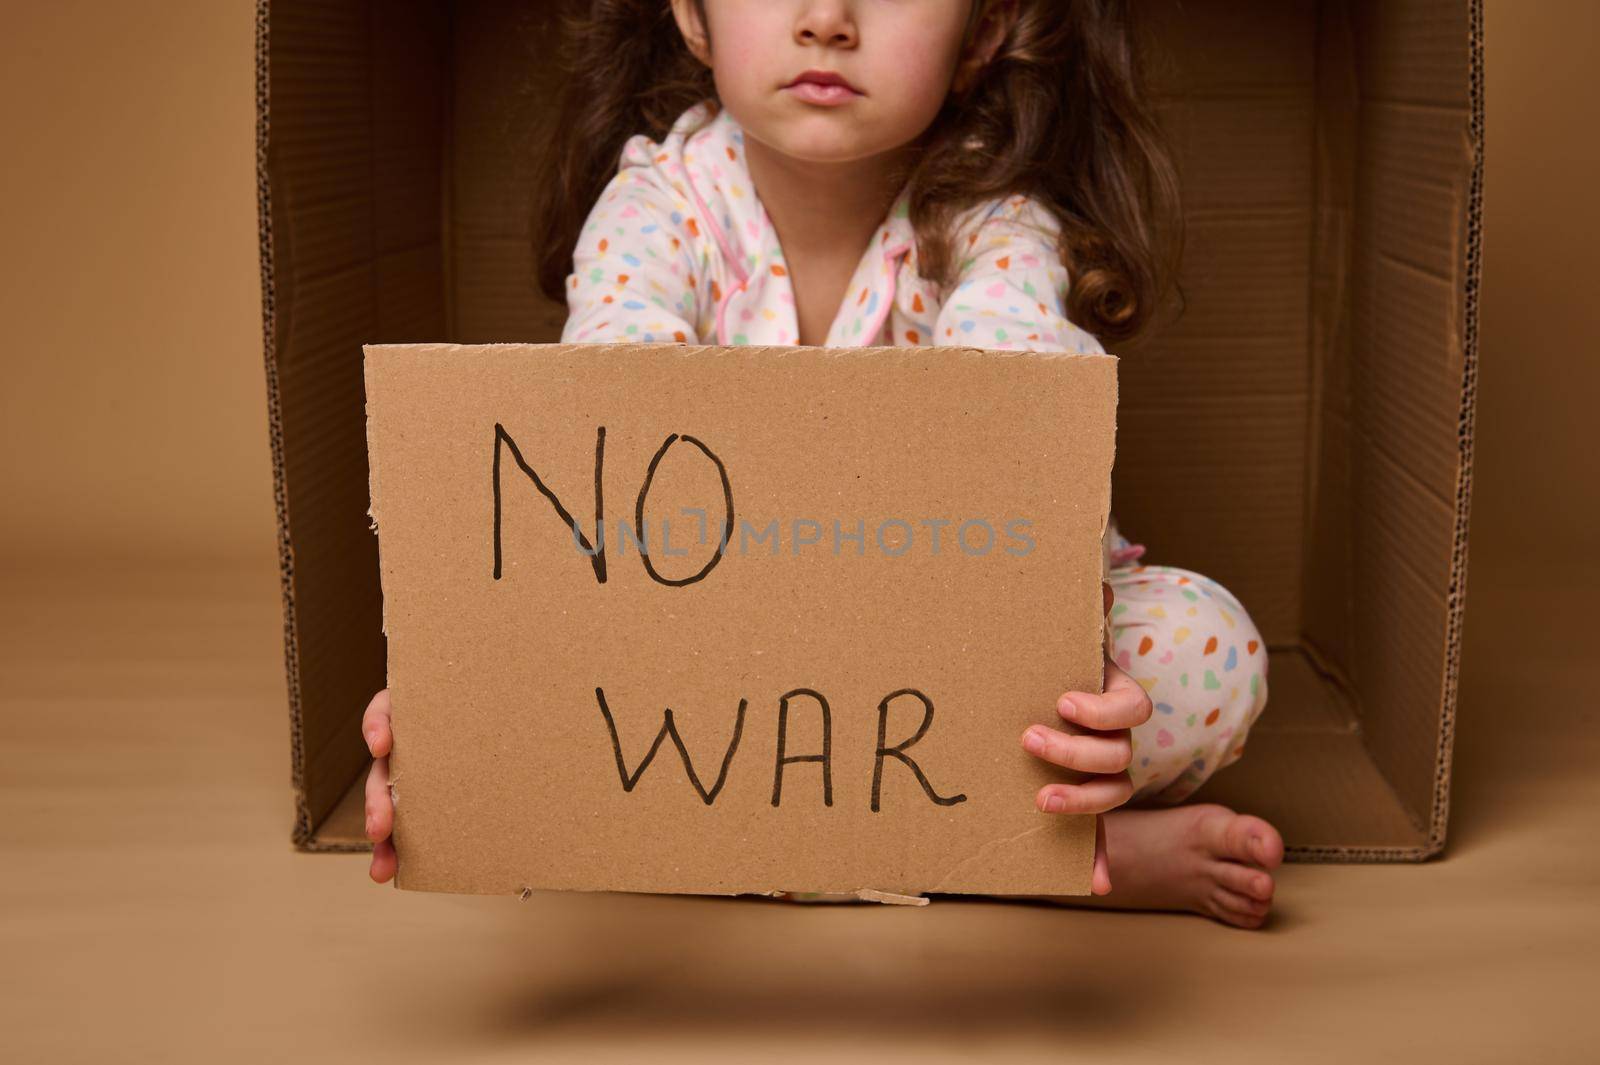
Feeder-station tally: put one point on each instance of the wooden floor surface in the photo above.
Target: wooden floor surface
(152, 909)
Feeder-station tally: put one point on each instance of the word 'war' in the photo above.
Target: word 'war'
(883, 750)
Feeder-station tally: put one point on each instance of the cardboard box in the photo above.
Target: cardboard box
(1303, 433)
(729, 620)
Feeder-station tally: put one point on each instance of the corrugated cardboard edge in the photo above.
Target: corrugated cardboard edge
(1465, 426)
(303, 834)
(302, 815)
(1464, 437)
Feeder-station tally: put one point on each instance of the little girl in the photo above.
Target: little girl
(916, 172)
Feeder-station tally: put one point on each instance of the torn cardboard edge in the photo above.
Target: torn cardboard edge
(887, 898)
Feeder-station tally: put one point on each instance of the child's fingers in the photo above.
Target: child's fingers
(384, 862)
(380, 808)
(1094, 796)
(1084, 751)
(1124, 704)
(375, 725)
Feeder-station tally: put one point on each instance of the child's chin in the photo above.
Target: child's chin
(822, 135)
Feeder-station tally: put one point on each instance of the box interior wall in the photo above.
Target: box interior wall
(1302, 433)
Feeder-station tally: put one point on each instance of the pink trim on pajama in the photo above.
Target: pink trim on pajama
(679, 249)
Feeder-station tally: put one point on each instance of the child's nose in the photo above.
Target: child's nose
(829, 21)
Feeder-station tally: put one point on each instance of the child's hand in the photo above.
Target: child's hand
(1095, 742)
(380, 807)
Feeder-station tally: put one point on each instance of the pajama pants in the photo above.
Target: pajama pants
(1187, 640)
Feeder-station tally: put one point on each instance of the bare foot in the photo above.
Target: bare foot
(1203, 859)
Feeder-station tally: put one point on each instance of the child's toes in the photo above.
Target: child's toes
(1250, 839)
(1237, 909)
(1244, 880)
(1266, 846)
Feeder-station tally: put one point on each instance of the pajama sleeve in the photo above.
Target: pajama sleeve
(637, 266)
(1012, 286)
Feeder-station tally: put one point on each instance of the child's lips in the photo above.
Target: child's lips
(818, 93)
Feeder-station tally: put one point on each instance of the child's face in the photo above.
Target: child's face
(901, 58)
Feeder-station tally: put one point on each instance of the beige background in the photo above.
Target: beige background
(150, 905)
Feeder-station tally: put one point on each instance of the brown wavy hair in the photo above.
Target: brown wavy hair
(1060, 113)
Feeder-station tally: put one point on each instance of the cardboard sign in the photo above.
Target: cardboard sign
(727, 620)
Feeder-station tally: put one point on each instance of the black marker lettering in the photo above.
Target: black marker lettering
(597, 555)
(670, 728)
(644, 492)
(826, 757)
(899, 749)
